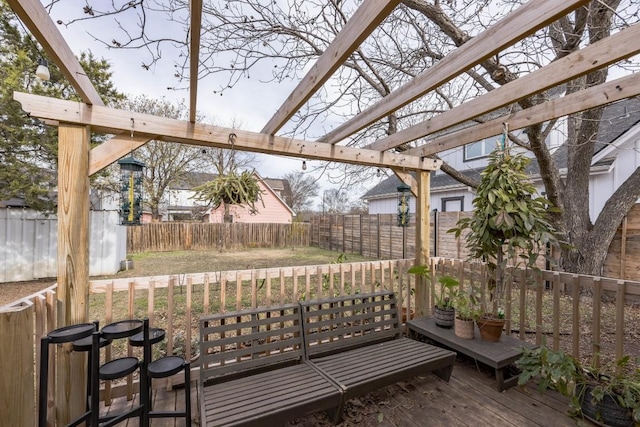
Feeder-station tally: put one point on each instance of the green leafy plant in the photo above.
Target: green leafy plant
(559, 371)
(448, 291)
(508, 221)
(230, 189)
(466, 305)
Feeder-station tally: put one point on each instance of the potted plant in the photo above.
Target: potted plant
(443, 312)
(608, 396)
(509, 222)
(466, 314)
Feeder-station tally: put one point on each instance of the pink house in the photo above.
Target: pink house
(272, 208)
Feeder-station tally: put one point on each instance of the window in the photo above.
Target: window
(477, 150)
(453, 204)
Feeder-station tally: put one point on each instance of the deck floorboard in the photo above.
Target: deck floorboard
(468, 399)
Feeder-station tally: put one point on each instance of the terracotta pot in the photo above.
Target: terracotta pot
(412, 314)
(464, 328)
(490, 328)
(444, 317)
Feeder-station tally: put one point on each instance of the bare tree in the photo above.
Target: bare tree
(303, 188)
(334, 201)
(240, 37)
(165, 163)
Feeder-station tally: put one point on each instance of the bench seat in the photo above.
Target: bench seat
(268, 398)
(253, 371)
(365, 369)
(356, 340)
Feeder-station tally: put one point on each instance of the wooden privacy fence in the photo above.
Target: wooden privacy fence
(592, 318)
(379, 236)
(184, 236)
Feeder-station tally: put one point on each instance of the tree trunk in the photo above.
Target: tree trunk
(228, 218)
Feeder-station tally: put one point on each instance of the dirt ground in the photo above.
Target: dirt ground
(13, 291)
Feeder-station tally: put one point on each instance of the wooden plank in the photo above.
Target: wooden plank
(556, 312)
(596, 325)
(194, 55)
(73, 264)
(113, 149)
(620, 321)
(595, 96)
(623, 248)
(575, 316)
(518, 24)
(16, 356)
(111, 120)
(422, 240)
(364, 20)
(612, 49)
(33, 14)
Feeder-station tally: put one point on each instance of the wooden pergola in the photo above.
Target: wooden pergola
(76, 121)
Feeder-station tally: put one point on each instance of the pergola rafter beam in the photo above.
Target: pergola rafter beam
(194, 57)
(621, 88)
(109, 151)
(525, 20)
(149, 126)
(365, 19)
(33, 14)
(615, 48)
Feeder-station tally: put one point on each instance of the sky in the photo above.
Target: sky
(249, 103)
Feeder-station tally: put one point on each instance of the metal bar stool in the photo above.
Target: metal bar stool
(86, 344)
(66, 334)
(163, 367)
(119, 368)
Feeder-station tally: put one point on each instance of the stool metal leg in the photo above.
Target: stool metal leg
(44, 381)
(187, 391)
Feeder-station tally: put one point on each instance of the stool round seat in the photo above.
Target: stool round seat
(155, 336)
(165, 366)
(71, 333)
(84, 344)
(122, 329)
(118, 368)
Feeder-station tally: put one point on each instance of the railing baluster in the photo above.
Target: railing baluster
(556, 311)
(539, 294)
(575, 327)
(597, 301)
(620, 293)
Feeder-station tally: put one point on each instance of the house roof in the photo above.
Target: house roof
(617, 119)
(277, 191)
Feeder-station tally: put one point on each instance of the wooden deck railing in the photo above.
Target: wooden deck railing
(587, 316)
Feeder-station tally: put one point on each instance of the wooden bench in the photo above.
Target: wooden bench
(356, 340)
(497, 355)
(253, 370)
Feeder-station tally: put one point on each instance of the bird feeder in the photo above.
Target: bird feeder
(404, 193)
(130, 190)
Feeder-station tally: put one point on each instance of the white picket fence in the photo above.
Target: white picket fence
(29, 244)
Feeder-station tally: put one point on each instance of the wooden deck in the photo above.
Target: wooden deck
(469, 399)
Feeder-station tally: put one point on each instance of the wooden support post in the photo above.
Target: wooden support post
(73, 264)
(422, 239)
(16, 357)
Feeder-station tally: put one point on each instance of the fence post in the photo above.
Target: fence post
(18, 406)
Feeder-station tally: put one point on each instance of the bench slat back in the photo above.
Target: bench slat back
(337, 324)
(243, 342)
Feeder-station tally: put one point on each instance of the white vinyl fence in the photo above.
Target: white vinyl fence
(29, 244)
